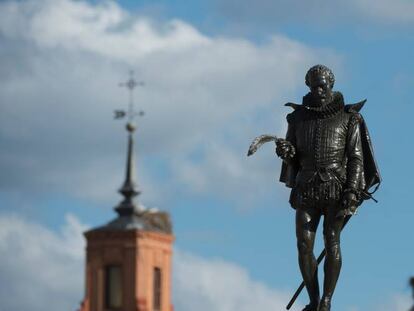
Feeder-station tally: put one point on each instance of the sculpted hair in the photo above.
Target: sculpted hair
(318, 70)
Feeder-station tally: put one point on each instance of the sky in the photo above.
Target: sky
(217, 74)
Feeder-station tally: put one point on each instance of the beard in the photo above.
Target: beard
(320, 100)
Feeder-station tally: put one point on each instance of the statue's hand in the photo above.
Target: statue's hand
(349, 204)
(285, 149)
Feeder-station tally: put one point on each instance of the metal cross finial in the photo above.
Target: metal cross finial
(129, 189)
(131, 84)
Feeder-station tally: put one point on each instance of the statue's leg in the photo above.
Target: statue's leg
(332, 227)
(307, 221)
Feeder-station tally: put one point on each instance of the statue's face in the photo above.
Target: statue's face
(321, 89)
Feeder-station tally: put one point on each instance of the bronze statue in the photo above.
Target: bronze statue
(329, 164)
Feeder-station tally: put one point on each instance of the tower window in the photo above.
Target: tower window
(113, 287)
(157, 289)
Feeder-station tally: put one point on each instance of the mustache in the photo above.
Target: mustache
(321, 95)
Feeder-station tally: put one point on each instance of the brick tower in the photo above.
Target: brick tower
(128, 260)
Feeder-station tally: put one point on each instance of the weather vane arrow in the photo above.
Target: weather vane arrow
(131, 84)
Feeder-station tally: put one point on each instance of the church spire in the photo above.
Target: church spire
(129, 190)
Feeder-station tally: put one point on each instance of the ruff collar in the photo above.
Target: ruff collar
(327, 111)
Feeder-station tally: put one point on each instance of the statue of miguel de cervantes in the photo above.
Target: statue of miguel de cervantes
(328, 163)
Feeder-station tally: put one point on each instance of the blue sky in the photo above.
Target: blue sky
(217, 74)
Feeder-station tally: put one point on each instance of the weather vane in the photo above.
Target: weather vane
(131, 84)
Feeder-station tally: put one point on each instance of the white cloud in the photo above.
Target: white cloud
(103, 28)
(40, 270)
(214, 284)
(397, 302)
(44, 271)
(392, 302)
(206, 98)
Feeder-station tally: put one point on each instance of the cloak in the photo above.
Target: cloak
(371, 174)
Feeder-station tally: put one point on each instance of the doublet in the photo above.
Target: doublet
(328, 155)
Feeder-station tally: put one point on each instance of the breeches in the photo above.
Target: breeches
(307, 221)
(316, 193)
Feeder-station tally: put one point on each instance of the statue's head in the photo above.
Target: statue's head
(412, 284)
(320, 80)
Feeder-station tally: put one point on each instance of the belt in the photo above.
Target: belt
(325, 173)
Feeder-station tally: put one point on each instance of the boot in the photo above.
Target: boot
(310, 307)
(325, 304)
